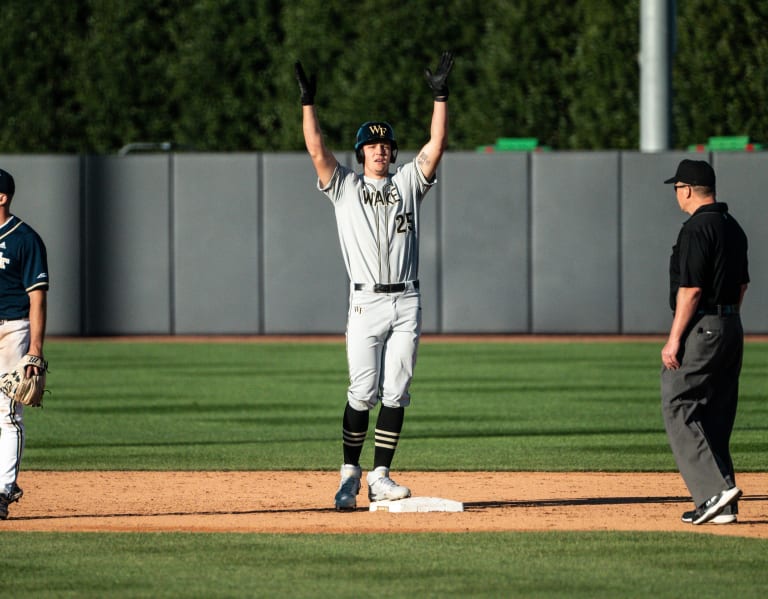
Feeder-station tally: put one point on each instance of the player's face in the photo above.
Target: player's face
(377, 158)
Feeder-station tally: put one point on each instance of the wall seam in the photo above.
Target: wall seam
(260, 243)
(171, 247)
(620, 243)
(529, 241)
(84, 241)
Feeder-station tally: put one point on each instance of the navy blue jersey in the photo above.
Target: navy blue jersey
(23, 267)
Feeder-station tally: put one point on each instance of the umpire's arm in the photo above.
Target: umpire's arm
(686, 305)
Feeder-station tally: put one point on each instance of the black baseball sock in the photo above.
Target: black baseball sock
(388, 427)
(354, 429)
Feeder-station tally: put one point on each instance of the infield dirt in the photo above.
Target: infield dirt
(302, 502)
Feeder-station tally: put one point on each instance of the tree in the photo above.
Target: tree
(720, 74)
(90, 76)
(37, 96)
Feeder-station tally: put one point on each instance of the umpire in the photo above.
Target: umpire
(702, 358)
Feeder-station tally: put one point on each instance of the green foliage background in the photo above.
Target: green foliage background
(89, 76)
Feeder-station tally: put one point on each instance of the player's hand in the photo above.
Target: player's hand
(438, 81)
(308, 87)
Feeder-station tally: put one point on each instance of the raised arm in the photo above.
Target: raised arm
(322, 158)
(430, 155)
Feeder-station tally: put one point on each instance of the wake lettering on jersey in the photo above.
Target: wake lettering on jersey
(387, 196)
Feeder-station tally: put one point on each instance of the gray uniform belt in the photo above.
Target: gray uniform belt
(386, 287)
(720, 310)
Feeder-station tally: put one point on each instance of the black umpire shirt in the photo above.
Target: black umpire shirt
(711, 253)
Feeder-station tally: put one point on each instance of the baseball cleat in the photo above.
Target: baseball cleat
(715, 504)
(346, 496)
(15, 494)
(7, 498)
(382, 488)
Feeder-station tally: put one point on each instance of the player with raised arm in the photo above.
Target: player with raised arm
(377, 218)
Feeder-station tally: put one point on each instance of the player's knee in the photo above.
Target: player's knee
(362, 404)
(401, 401)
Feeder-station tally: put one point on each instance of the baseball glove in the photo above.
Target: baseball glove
(27, 390)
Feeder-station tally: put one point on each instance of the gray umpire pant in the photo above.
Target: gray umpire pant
(698, 403)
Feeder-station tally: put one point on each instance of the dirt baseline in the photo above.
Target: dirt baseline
(302, 502)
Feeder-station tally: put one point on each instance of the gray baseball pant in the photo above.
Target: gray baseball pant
(699, 402)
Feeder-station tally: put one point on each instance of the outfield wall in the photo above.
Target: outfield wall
(243, 243)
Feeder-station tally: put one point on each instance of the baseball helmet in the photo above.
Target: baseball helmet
(374, 131)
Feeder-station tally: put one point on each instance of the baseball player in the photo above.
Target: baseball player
(23, 304)
(377, 218)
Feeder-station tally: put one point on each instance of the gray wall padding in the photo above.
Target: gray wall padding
(244, 243)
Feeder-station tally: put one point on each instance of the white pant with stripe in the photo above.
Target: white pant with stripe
(383, 331)
(14, 342)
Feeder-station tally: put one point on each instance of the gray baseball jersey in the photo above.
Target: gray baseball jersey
(378, 222)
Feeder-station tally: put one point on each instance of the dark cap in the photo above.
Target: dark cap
(7, 186)
(694, 172)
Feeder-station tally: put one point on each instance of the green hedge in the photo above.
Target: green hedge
(89, 76)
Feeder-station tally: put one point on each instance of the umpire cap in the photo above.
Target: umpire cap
(7, 185)
(374, 131)
(694, 172)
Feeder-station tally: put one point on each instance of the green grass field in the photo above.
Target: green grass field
(476, 406)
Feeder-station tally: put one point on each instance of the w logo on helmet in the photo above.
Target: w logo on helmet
(379, 130)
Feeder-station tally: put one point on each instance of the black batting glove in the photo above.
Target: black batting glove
(308, 87)
(438, 81)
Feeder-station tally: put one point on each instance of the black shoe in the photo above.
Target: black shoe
(7, 499)
(714, 505)
(721, 518)
(15, 494)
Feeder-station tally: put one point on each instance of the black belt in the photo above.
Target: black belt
(385, 287)
(720, 310)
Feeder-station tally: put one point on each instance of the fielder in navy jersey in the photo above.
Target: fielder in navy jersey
(23, 309)
(377, 218)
